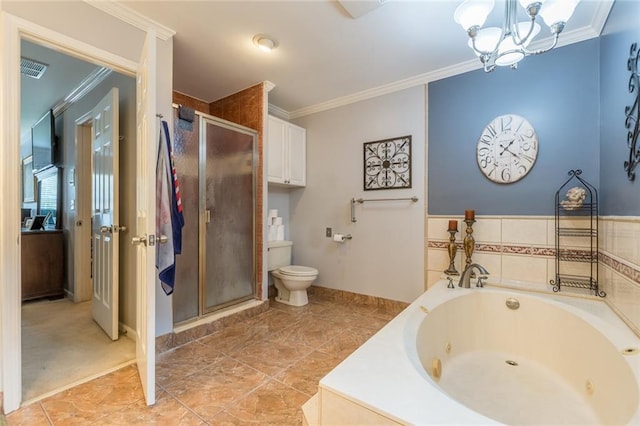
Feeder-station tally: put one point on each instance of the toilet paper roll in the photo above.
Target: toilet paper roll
(273, 213)
(277, 221)
(272, 233)
(338, 238)
(279, 232)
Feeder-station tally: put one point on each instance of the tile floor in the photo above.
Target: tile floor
(257, 371)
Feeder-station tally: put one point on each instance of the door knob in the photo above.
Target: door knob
(117, 228)
(105, 229)
(162, 239)
(139, 240)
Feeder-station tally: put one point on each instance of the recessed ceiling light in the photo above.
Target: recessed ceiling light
(264, 42)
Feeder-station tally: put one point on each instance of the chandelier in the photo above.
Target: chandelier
(508, 45)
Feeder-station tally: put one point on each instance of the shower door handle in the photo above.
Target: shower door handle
(207, 216)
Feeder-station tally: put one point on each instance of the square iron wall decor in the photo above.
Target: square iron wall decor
(387, 164)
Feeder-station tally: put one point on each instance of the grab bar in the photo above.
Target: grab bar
(362, 200)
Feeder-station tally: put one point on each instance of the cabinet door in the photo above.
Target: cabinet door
(297, 158)
(276, 137)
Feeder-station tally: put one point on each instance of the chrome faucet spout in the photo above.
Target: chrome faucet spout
(465, 277)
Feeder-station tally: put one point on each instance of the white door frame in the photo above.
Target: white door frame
(12, 30)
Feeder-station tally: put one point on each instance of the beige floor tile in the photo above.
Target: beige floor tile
(271, 404)
(166, 411)
(31, 415)
(272, 356)
(212, 389)
(305, 374)
(91, 401)
(311, 332)
(258, 371)
(344, 344)
(184, 360)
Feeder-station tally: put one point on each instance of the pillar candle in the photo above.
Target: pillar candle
(469, 215)
(453, 225)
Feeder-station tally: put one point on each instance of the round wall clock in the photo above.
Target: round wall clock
(507, 149)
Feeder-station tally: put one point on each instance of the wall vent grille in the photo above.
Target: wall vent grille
(31, 68)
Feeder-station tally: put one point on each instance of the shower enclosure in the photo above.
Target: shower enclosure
(216, 163)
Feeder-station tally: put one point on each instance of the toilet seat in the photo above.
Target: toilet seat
(298, 271)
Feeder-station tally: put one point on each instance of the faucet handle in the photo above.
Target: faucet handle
(480, 283)
(450, 285)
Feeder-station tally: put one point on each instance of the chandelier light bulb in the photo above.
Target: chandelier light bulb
(508, 44)
(472, 13)
(557, 11)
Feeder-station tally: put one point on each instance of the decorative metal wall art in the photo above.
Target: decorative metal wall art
(387, 164)
(632, 114)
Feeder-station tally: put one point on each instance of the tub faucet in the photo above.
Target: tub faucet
(465, 278)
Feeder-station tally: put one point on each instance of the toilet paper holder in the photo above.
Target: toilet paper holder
(340, 238)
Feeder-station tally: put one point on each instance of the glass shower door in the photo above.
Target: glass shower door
(228, 214)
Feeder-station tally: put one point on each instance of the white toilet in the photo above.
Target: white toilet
(291, 281)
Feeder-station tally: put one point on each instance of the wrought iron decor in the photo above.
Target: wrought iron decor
(632, 114)
(387, 164)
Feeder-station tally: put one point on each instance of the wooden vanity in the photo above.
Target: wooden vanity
(42, 259)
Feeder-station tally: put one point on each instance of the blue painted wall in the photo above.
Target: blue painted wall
(557, 92)
(618, 196)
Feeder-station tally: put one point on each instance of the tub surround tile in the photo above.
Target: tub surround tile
(524, 231)
(524, 268)
(486, 230)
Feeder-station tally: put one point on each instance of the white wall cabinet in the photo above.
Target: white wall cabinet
(287, 153)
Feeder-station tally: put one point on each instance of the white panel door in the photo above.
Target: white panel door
(104, 223)
(146, 145)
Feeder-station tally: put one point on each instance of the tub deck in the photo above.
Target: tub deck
(383, 382)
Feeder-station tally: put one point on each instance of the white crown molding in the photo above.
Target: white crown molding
(570, 37)
(601, 15)
(388, 88)
(279, 112)
(130, 16)
(88, 84)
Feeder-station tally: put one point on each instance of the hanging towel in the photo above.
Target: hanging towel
(169, 217)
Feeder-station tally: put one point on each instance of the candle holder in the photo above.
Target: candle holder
(469, 244)
(452, 249)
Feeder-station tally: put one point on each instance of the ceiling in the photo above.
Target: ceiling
(325, 57)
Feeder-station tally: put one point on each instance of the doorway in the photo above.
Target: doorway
(61, 344)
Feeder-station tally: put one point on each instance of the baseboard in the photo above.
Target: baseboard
(356, 298)
(188, 332)
(128, 332)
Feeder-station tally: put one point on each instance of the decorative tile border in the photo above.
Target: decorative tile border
(630, 271)
(500, 249)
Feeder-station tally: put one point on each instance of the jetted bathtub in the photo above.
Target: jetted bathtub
(490, 355)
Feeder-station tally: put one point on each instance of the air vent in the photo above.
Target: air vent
(32, 68)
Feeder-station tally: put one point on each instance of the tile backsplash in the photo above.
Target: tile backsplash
(522, 248)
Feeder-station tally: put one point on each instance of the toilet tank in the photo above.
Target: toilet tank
(278, 254)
